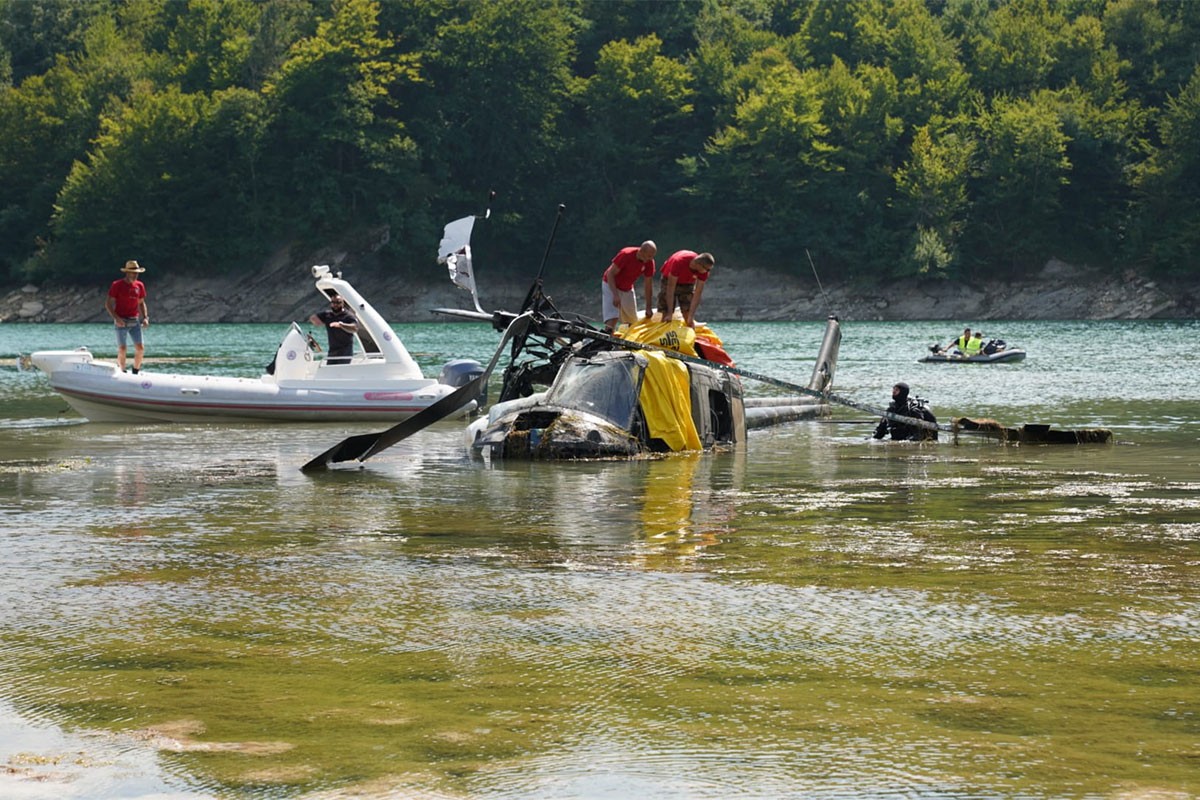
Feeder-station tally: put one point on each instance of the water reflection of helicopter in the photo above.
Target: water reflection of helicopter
(688, 507)
(660, 513)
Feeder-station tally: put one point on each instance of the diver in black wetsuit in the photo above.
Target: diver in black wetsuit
(903, 405)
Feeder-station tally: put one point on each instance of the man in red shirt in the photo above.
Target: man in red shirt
(684, 275)
(617, 301)
(126, 304)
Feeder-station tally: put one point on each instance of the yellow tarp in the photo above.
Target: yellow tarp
(667, 402)
(672, 335)
(666, 391)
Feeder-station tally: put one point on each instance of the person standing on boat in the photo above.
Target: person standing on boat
(684, 276)
(126, 304)
(617, 301)
(904, 406)
(340, 326)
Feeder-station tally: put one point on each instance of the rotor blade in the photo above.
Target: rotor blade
(363, 446)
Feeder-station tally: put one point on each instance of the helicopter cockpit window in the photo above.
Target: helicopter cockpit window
(607, 388)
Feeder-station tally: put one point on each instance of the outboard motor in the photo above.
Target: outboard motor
(460, 372)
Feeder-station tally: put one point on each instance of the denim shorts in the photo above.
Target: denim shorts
(132, 329)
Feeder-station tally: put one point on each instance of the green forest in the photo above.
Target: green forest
(883, 138)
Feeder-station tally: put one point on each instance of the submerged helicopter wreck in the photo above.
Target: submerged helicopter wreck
(613, 397)
(571, 391)
(656, 388)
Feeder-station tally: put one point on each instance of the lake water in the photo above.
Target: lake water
(183, 614)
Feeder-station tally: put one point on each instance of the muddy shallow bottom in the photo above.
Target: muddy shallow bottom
(186, 615)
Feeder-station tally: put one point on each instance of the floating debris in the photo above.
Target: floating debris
(1030, 434)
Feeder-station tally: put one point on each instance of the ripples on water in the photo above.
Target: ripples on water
(817, 615)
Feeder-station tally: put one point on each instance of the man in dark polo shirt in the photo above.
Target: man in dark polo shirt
(340, 325)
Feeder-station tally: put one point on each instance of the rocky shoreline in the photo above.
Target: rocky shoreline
(282, 291)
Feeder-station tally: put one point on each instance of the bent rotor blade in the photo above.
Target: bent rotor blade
(363, 446)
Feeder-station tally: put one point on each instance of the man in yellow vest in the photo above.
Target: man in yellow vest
(974, 345)
(959, 344)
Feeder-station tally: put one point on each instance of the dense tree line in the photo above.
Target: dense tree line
(884, 137)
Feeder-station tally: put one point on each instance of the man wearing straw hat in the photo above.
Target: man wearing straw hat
(126, 304)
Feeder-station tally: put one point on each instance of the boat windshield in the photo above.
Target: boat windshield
(607, 388)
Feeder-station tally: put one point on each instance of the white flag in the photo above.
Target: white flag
(455, 236)
(461, 273)
(455, 252)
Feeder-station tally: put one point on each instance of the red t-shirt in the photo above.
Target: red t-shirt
(679, 265)
(128, 296)
(629, 269)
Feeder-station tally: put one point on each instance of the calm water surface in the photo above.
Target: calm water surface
(183, 614)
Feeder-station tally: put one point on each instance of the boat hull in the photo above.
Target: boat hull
(100, 392)
(1001, 357)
